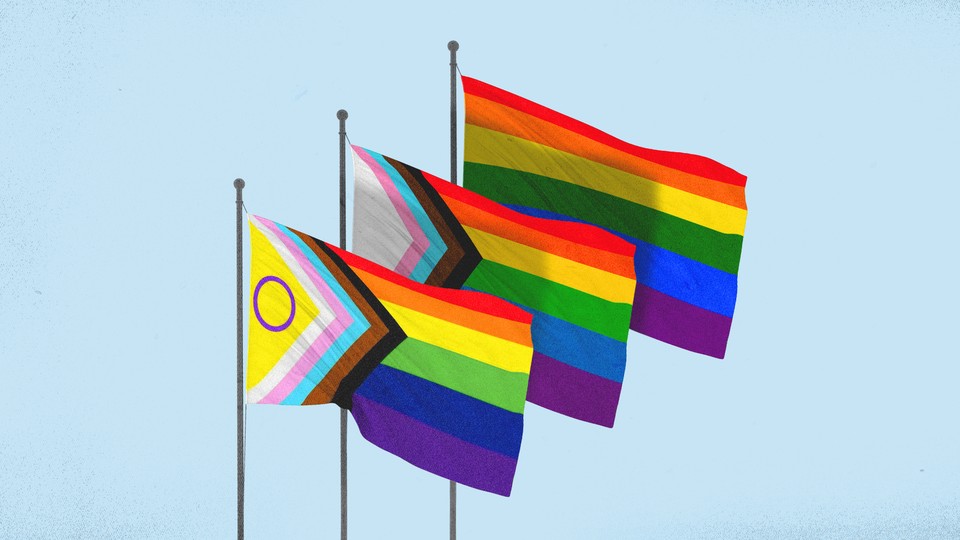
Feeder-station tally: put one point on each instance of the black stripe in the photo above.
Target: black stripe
(471, 257)
(344, 394)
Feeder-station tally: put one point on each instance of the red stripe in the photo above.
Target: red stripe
(581, 233)
(689, 163)
(484, 303)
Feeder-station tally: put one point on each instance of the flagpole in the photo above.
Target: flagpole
(342, 117)
(453, 46)
(238, 184)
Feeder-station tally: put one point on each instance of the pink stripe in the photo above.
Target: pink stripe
(320, 283)
(414, 251)
(306, 362)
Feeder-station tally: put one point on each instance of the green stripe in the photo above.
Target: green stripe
(504, 389)
(576, 307)
(508, 186)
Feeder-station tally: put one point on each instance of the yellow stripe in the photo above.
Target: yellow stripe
(489, 147)
(497, 352)
(582, 277)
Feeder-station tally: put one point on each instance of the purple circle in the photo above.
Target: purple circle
(256, 307)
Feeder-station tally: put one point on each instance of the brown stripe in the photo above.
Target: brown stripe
(453, 254)
(333, 387)
(461, 257)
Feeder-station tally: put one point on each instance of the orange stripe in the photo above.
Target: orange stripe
(476, 218)
(578, 233)
(488, 324)
(470, 300)
(681, 161)
(491, 115)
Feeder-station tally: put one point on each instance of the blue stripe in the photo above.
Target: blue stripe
(446, 410)
(340, 345)
(437, 247)
(665, 271)
(579, 347)
(575, 345)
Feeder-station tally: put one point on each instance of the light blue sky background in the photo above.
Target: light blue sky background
(123, 124)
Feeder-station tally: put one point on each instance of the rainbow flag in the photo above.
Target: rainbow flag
(685, 213)
(435, 376)
(576, 279)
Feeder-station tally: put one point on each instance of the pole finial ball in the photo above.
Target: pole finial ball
(341, 114)
(239, 183)
(453, 45)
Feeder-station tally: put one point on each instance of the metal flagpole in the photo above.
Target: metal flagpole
(238, 184)
(453, 46)
(342, 116)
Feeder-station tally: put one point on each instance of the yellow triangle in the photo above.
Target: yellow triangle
(267, 346)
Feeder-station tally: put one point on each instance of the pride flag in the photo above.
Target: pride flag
(435, 376)
(686, 214)
(576, 279)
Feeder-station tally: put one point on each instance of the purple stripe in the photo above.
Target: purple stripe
(572, 392)
(676, 322)
(433, 450)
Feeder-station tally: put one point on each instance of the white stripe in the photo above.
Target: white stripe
(286, 363)
(379, 234)
(298, 272)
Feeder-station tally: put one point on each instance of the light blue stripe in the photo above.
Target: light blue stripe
(323, 365)
(340, 345)
(670, 273)
(437, 247)
(325, 274)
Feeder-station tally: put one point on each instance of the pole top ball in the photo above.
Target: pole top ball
(453, 45)
(341, 114)
(239, 183)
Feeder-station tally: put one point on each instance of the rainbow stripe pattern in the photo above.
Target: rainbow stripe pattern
(450, 397)
(684, 213)
(577, 280)
(435, 376)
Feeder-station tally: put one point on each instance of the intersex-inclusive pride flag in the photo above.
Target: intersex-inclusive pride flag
(576, 279)
(435, 376)
(685, 213)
